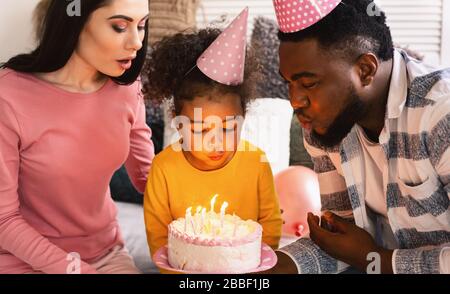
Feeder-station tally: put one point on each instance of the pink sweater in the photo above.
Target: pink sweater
(58, 152)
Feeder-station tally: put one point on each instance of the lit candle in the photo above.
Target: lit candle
(235, 225)
(202, 222)
(193, 226)
(186, 218)
(197, 216)
(213, 202)
(222, 212)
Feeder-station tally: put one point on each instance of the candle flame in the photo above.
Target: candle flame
(223, 207)
(204, 222)
(213, 202)
(222, 213)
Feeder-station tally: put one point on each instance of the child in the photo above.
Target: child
(182, 175)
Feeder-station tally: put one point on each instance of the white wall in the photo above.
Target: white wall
(423, 25)
(213, 10)
(445, 51)
(16, 24)
(417, 24)
(16, 28)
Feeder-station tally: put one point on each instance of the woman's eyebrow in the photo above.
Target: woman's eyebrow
(122, 17)
(127, 18)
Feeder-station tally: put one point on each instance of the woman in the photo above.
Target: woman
(71, 113)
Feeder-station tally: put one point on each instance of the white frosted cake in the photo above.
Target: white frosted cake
(214, 243)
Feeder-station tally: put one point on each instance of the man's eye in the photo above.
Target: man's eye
(310, 85)
(141, 28)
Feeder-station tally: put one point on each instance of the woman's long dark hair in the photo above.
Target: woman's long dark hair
(60, 38)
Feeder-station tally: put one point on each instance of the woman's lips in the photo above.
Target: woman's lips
(125, 64)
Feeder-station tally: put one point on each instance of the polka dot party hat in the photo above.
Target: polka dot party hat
(297, 15)
(224, 59)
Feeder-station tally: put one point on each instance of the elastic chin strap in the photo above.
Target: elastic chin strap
(190, 70)
(317, 8)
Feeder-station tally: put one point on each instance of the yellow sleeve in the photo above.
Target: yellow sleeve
(269, 209)
(156, 209)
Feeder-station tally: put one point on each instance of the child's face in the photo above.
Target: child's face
(214, 130)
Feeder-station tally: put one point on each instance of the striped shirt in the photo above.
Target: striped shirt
(415, 177)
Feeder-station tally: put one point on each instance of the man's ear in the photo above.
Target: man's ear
(367, 68)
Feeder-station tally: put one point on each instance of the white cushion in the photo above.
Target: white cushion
(267, 125)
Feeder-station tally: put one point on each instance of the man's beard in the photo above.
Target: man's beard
(343, 123)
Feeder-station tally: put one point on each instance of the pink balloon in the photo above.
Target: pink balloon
(298, 193)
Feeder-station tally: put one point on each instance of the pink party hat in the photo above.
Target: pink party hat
(297, 15)
(224, 59)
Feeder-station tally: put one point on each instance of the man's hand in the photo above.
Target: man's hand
(346, 241)
(285, 265)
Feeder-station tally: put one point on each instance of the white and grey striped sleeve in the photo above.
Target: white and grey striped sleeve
(333, 190)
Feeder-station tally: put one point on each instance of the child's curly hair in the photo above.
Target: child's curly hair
(173, 57)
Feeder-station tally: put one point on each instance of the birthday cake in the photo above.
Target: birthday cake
(212, 242)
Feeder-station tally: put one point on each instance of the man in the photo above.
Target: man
(377, 126)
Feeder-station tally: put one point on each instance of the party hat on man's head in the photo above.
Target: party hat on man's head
(224, 60)
(297, 15)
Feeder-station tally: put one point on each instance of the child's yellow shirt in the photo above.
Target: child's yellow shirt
(246, 183)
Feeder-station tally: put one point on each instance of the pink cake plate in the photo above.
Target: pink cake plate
(268, 260)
